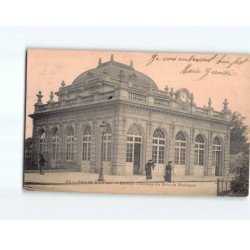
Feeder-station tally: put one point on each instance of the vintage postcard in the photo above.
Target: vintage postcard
(137, 122)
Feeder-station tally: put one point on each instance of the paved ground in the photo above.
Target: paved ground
(136, 184)
(73, 177)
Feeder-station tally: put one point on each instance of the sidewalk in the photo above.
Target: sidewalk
(80, 177)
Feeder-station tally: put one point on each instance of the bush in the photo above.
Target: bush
(240, 184)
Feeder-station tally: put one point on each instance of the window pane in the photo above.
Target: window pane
(109, 152)
(154, 153)
(129, 157)
(176, 156)
(201, 157)
(182, 156)
(161, 154)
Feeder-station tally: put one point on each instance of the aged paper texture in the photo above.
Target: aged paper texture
(137, 122)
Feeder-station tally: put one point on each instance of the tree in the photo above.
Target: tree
(240, 184)
(238, 136)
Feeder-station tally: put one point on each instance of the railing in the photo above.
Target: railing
(223, 186)
(218, 114)
(201, 110)
(87, 99)
(132, 95)
(107, 96)
(161, 102)
(137, 97)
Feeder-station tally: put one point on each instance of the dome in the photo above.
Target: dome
(116, 70)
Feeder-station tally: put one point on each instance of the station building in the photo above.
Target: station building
(141, 123)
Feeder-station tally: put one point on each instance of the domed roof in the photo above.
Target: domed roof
(116, 70)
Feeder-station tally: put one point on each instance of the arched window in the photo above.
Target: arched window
(70, 144)
(86, 141)
(216, 155)
(158, 148)
(42, 139)
(180, 149)
(107, 144)
(199, 150)
(134, 137)
(55, 143)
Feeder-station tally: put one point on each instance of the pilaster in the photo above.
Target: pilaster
(119, 142)
(191, 152)
(210, 154)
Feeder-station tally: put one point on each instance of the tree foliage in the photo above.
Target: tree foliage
(239, 133)
(240, 185)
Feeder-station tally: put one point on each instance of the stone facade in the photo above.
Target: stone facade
(142, 122)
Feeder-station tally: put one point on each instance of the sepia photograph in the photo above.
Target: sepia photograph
(137, 122)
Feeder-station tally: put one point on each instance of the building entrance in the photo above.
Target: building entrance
(137, 158)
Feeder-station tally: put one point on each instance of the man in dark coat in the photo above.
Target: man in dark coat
(41, 164)
(150, 164)
(168, 174)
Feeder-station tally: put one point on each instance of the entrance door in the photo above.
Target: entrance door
(137, 158)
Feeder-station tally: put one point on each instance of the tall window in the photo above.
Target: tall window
(107, 144)
(199, 150)
(55, 144)
(42, 139)
(180, 149)
(158, 148)
(216, 155)
(70, 144)
(86, 141)
(134, 136)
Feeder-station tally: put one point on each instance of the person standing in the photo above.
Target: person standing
(41, 164)
(168, 174)
(150, 164)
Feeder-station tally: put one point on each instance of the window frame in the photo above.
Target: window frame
(86, 144)
(158, 146)
(199, 159)
(70, 138)
(180, 149)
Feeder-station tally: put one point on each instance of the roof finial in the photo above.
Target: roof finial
(172, 92)
(39, 99)
(225, 104)
(112, 58)
(100, 61)
(166, 88)
(209, 103)
(39, 96)
(131, 64)
(51, 96)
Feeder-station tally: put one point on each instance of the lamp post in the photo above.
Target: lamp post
(103, 131)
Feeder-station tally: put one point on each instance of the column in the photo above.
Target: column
(35, 144)
(171, 143)
(209, 154)
(190, 151)
(225, 166)
(147, 144)
(49, 146)
(94, 152)
(76, 148)
(119, 143)
(61, 148)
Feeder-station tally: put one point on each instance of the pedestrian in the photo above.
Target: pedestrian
(168, 174)
(41, 164)
(150, 164)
